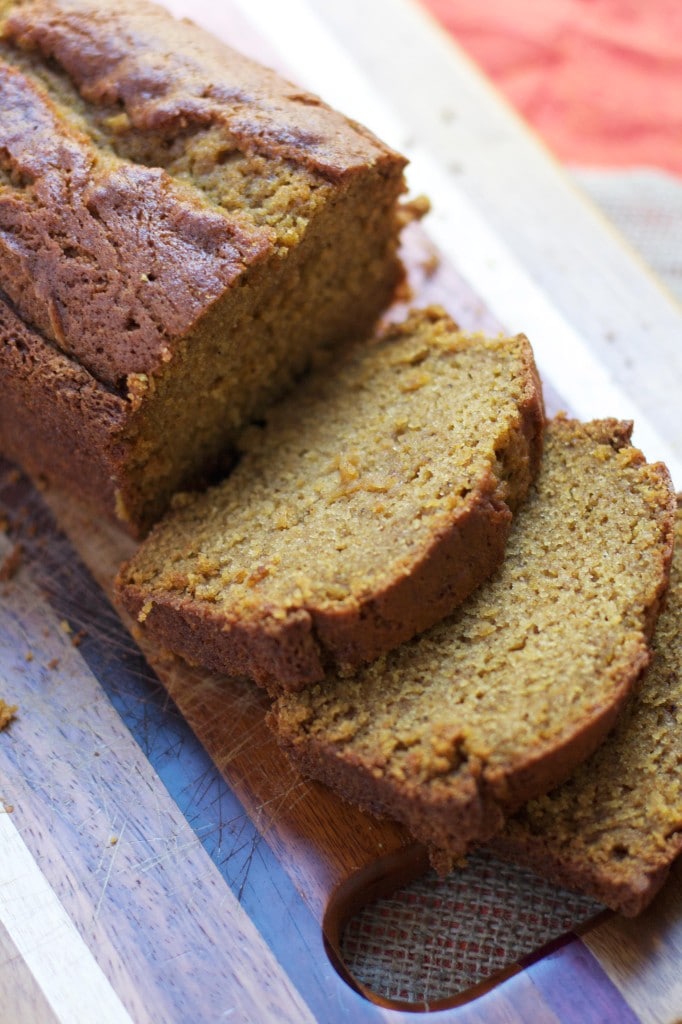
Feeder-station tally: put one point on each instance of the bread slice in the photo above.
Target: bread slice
(453, 731)
(180, 229)
(615, 827)
(371, 503)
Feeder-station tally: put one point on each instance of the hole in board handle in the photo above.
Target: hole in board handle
(492, 919)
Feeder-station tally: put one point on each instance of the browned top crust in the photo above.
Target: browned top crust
(109, 260)
(111, 257)
(170, 74)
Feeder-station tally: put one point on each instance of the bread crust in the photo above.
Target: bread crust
(167, 74)
(628, 896)
(293, 651)
(47, 395)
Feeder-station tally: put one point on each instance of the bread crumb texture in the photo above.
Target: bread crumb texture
(615, 827)
(368, 505)
(501, 701)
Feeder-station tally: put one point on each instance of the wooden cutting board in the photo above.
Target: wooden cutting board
(152, 871)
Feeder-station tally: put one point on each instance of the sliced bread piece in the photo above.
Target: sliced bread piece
(368, 507)
(615, 827)
(453, 731)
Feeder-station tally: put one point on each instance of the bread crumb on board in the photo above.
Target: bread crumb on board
(76, 638)
(414, 209)
(8, 713)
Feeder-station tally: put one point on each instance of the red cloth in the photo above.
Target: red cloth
(601, 80)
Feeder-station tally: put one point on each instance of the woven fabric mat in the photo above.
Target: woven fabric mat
(438, 937)
(646, 206)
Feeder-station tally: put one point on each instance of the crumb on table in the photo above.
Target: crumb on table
(8, 712)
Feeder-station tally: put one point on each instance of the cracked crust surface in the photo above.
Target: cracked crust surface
(81, 232)
(453, 731)
(163, 75)
(371, 503)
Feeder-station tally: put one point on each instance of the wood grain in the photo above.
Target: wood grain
(643, 956)
(21, 998)
(114, 849)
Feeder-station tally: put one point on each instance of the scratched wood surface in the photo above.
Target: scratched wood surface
(155, 872)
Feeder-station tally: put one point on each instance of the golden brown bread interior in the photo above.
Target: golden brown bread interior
(376, 497)
(614, 828)
(179, 230)
(453, 731)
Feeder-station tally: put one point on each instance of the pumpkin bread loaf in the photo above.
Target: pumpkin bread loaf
(374, 499)
(179, 230)
(455, 730)
(615, 827)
